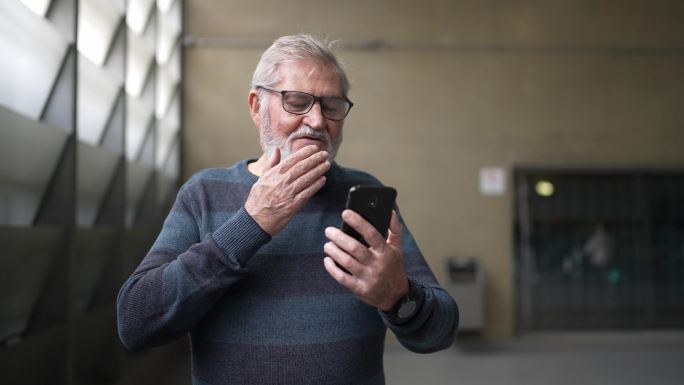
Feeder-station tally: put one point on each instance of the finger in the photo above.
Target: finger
(394, 235)
(305, 180)
(338, 274)
(343, 259)
(297, 156)
(348, 244)
(308, 164)
(309, 191)
(367, 231)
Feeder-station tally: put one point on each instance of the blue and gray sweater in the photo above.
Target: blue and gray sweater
(262, 309)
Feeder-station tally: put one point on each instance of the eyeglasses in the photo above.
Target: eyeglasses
(299, 103)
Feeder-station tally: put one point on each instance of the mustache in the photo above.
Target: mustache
(307, 131)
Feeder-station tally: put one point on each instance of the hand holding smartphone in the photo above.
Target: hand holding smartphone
(374, 204)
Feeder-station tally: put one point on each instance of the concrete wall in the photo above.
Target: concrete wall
(443, 88)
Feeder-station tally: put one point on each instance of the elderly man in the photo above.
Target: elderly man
(251, 263)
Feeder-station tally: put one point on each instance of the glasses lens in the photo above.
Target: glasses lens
(297, 102)
(334, 108)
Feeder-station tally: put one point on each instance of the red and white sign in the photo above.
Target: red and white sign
(492, 181)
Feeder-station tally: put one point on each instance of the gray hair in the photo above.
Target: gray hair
(294, 48)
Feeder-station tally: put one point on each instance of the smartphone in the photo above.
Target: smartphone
(374, 204)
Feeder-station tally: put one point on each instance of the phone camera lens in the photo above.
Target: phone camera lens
(373, 202)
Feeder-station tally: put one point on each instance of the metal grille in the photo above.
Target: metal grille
(599, 249)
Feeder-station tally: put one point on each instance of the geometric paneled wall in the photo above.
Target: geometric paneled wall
(89, 165)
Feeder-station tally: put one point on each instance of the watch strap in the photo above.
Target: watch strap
(407, 306)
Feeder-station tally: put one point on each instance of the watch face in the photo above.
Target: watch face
(407, 309)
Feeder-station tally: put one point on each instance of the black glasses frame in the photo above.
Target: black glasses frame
(319, 99)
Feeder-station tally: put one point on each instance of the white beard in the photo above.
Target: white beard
(269, 141)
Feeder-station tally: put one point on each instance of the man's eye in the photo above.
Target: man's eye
(333, 105)
(298, 101)
(331, 109)
(298, 106)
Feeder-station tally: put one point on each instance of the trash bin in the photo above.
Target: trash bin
(466, 284)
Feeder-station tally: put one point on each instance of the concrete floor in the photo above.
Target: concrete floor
(603, 358)
(587, 358)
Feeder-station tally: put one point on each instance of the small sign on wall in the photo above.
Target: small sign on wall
(492, 181)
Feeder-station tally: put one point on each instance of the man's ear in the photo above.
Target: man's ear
(254, 107)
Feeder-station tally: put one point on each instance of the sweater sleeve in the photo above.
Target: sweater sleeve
(432, 328)
(183, 275)
(434, 325)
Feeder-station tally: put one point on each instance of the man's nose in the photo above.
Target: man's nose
(314, 118)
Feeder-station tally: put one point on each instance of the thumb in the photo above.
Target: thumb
(394, 236)
(273, 159)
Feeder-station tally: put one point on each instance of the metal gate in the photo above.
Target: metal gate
(599, 249)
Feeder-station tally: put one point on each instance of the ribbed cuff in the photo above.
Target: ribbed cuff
(240, 237)
(418, 292)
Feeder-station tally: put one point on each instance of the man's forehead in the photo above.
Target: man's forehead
(312, 71)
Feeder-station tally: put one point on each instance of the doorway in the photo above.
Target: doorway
(599, 249)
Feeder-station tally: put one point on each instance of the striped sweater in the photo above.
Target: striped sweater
(262, 309)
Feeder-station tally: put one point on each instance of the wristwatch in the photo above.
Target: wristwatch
(409, 305)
